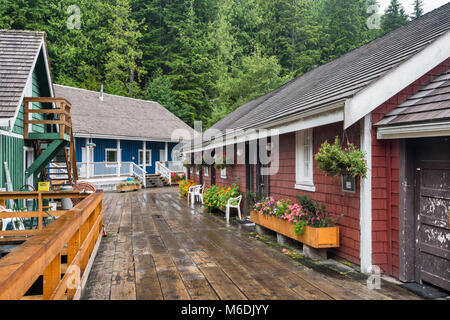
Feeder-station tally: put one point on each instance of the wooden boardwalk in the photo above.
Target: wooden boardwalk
(159, 248)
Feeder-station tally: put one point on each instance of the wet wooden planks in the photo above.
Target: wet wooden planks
(159, 248)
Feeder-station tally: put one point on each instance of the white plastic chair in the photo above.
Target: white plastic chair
(198, 193)
(13, 221)
(230, 206)
(191, 193)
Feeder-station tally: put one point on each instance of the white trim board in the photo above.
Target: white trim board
(10, 134)
(421, 130)
(366, 198)
(116, 137)
(378, 92)
(307, 122)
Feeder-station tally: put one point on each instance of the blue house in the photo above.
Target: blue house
(118, 137)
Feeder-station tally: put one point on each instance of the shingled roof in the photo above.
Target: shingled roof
(431, 103)
(118, 116)
(18, 52)
(342, 78)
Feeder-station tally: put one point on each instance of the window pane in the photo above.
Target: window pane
(111, 156)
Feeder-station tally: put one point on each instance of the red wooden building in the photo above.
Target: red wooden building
(391, 98)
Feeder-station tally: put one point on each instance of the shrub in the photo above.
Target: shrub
(184, 186)
(176, 177)
(216, 197)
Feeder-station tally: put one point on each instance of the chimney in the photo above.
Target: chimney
(101, 91)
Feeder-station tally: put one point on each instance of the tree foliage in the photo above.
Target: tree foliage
(199, 58)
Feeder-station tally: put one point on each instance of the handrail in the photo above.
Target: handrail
(166, 171)
(80, 229)
(40, 214)
(143, 175)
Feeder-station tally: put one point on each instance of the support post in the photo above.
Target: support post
(119, 158)
(144, 156)
(366, 197)
(52, 277)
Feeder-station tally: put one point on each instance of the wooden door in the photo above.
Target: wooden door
(212, 172)
(432, 222)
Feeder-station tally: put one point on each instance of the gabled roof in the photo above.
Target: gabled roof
(343, 78)
(119, 117)
(431, 103)
(18, 54)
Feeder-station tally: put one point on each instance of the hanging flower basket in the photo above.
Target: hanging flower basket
(337, 161)
(221, 162)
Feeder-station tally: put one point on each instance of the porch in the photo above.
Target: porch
(160, 248)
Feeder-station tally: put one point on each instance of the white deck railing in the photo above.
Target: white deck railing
(111, 169)
(167, 168)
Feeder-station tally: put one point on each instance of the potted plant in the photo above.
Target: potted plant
(221, 162)
(303, 221)
(216, 198)
(177, 177)
(129, 185)
(337, 161)
(187, 163)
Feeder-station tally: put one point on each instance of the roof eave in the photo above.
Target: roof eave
(381, 90)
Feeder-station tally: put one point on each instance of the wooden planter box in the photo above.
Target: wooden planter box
(314, 237)
(128, 188)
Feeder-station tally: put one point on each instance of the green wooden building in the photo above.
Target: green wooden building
(31, 135)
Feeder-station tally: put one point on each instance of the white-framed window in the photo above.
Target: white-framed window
(197, 171)
(191, 170)
(206, 171)
(148, 157)
(223, 173)
(304, 160)
(111, 156)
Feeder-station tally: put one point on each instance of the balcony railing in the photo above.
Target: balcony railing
(76, 234)
(58, 118)
(111, 169)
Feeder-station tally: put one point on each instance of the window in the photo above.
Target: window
(111, 155)
(304, 161)
(148, 157)
(197, 171)
(206, 171)
(223, 173)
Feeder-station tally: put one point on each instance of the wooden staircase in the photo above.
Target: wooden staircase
(55, 148)
(156, 181)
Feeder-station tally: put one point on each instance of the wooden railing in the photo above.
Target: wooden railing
(76, 234)
(60, 115)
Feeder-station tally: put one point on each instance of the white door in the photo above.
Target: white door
(162, 155)
(86, 170)
(29, 159)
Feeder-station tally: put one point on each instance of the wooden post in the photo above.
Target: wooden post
(72, 249)
(62, 120)
(41, 211)
(25, 117)
(52, 277)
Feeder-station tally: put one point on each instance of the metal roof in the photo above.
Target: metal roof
(342, 78)
(18, 52)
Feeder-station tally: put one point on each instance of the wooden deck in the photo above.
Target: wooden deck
(159, 248)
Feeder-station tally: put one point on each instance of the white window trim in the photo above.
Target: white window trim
(223, 173)
(108, 163)
(206, 171)
(148, 159)
(302, 183)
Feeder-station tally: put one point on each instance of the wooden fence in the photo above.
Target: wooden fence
(76, 234)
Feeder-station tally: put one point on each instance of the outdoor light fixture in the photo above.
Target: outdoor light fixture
(91, 145)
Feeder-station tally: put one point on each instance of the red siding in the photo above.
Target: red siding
(385, 183)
